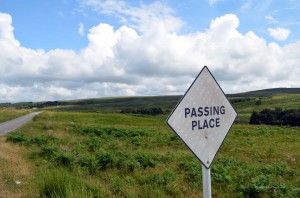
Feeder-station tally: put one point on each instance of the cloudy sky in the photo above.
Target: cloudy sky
(70, 49)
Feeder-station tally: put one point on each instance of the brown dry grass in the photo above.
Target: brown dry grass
(14, 167)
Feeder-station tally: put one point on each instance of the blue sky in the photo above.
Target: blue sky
(67, 49)
(51, 24)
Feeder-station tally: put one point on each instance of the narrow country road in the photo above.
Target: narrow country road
(14, 124)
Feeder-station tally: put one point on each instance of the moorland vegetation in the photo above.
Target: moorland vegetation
(93, 150)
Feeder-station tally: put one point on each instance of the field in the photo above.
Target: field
(9, 114)
(73, 151)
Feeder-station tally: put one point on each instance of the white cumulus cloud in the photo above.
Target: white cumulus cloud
(279, 34)
(155, 61)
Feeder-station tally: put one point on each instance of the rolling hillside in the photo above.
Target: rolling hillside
(245, 103)
(267, 92)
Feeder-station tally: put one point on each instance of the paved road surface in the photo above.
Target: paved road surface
(14, 124)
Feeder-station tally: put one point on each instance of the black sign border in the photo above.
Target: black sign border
(207, 167)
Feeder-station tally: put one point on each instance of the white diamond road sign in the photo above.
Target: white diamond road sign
(203, 117)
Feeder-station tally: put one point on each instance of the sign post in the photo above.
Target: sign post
(202, 119)
(206, 182)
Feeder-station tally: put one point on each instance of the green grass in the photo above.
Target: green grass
(120, 155)
(284, 101)
(85, 148)
(6, 114)
(270, 98)
(167, 103)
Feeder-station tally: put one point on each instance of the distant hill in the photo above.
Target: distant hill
(267, 92)
(114, 104)
(166, 103)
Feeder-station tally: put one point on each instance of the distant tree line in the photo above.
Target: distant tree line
(30, 105)
(237, 100)
(277, 116)
(145, 111)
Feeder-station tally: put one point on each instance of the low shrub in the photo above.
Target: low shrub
(65, 159)
(17, 137)
(41, 140)
(145, 159)
(257, 186)
(278, 169)
(105, 159)
(127, 163)
(117, 185)
(192, 169)
(110, 131)
(88, 162)
(223, 169)
(162, 179)
(48, 152)
(57, 156)
(137, 141)
(92, 144)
